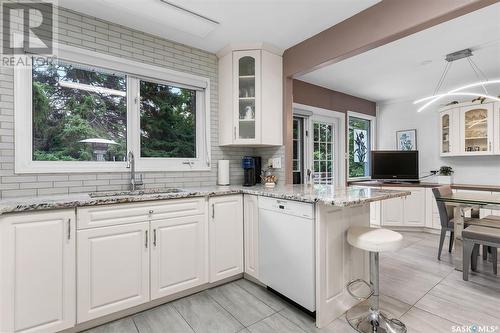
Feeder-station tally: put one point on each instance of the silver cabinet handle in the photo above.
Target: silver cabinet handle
(154, 237)
(151, 211)
(213, 211)
(146, 242)
(489, 144)
(69, 229)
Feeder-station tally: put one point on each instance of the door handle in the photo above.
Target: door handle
(69, 229)
(146, 241)
(213, 211)
(154, 237)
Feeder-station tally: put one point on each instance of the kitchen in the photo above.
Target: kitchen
(148, 171)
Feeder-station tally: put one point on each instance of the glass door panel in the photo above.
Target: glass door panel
(323, 156)
(476, 130)
(246, 97)
(445, 134)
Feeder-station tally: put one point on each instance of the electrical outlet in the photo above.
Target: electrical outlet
(276, 163)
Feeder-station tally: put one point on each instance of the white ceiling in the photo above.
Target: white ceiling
(410, 68)
(282, 23)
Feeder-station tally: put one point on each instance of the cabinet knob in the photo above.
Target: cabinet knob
(151, 211)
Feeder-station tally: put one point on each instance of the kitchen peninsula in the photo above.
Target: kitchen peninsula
(102, 256)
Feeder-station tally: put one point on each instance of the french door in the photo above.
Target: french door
(316, 150)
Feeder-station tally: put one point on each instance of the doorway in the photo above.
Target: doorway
(318, 146)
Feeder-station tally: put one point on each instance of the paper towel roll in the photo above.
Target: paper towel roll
(223, 172)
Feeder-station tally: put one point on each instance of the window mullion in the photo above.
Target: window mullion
(133, 116)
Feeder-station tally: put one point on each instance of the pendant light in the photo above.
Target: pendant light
(483, 81)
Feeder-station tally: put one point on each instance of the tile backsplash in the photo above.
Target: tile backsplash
(100, 36)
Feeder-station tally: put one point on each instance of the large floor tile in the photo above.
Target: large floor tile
(419, 321)
(272, 300)
(463, 302)
(404, 282)
(205, 315)
(245, 307)
(125, 325)
(158, 319)
(275, 324)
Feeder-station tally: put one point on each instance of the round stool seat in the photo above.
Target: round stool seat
(374, 239)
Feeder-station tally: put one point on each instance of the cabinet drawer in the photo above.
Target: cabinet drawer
(100, 216)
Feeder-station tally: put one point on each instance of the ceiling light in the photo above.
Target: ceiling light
(450, 58)
(187, 20)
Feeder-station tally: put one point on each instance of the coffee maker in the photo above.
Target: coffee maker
(251, 170)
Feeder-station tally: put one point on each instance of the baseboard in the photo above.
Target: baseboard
(414, 229)
(146, 306)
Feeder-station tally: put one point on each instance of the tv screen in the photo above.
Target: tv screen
(396, 165)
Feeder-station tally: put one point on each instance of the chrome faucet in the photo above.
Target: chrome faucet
(134, 183)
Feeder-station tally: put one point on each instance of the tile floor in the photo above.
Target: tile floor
(427, 295)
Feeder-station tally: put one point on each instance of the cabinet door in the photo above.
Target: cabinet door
(113, 269)
(392, 212)
(447, 132)
(226, 236)
(37, 271)
(414, 208)
(496, 126)
(251, 234)
(179, 254)
(247, 96)
(375, 214)
(476, 130)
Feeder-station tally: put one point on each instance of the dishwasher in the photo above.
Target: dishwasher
(286, 249)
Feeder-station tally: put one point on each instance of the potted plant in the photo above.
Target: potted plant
(445, 175)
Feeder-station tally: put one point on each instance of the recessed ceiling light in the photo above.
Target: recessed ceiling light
(186, 20)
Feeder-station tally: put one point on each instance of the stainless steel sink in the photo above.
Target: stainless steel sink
(136, 192)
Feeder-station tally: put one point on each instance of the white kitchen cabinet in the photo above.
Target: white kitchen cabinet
(375, 214)
(37, 271)
(250, 96)
(251, 234)
(476, 129)
(496, 127)
(405, 211)
(179, 256)
(392, 211)
(113, 269)
(225, 236)
(448, 138)
(470, 129)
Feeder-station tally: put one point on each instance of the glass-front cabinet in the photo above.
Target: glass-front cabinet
(250, 96)
(446, 137)
(247, 88)
(476, 129)
(470, 129)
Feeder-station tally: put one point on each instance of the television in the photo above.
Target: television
(393, 165)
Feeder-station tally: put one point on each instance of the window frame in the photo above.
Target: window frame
(373, 127)
(134, 71)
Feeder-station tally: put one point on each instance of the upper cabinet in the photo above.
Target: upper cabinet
(250, 96)
(469, 129)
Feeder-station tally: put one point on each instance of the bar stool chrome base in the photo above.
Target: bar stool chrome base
(365, 320)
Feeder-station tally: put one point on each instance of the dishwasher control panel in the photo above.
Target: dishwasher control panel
(290, 207)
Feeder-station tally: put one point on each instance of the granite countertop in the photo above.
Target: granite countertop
(426, 184)
(326, 194)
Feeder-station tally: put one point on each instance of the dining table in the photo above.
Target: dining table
(462, 203)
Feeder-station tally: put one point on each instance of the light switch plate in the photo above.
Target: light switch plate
(276, 163)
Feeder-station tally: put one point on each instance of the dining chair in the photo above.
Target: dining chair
(446, 216)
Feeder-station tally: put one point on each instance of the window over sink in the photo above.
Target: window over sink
(84, 111)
